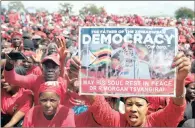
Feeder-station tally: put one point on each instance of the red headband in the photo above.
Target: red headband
(137, 97)
(51, 86)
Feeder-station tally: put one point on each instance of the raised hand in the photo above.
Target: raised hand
(37, 58)
(62, 50)
(183, 65)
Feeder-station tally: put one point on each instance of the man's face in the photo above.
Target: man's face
(27, 64)
(190, 91)
(52, 49)
(49, 102)
(16, 40)
(51, 70)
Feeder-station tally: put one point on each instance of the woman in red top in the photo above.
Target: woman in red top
(15, 102)
(49, 113)
(136, 107)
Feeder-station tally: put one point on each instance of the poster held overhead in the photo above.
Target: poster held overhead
(127, 61)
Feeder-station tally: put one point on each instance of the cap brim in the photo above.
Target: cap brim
(54, 60)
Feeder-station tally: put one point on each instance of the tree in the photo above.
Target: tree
(184, 12)
(90, 9)
(15, 5)
(31, 10)
(41, 10)
(65, 8)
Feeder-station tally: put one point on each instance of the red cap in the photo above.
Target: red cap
(53, 57)
(189, 79)
(50, 86)
(16, 34)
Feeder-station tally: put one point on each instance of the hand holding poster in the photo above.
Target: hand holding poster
(128, 61)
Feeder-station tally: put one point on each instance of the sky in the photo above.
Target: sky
(147, 8)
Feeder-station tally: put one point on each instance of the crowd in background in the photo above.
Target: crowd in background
(44, 37)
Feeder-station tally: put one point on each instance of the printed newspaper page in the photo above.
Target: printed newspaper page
(127, 61)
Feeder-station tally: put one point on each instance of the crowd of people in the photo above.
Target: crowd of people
(42, 89)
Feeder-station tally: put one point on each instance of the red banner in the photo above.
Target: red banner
(128, 86)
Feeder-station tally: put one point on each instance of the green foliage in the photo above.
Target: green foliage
(65, 7)
(184, 12)
(90, 9)
(15, 5)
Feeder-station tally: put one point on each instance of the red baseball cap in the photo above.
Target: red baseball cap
(53, 57)
(16, 34)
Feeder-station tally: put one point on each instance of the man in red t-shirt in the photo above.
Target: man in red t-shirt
(51, 72)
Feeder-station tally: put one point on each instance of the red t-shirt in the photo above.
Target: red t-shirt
(156, 103)
(36, 70)
(33, 83)
(64, 117)
(21, 101)
(86, 119)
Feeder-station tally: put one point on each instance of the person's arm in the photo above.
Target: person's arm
(18, 80)
(170, 116)
(15, 119)
(38, 57)
(183, 65)
(27, 120)
(102, 112)
(173, 113)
